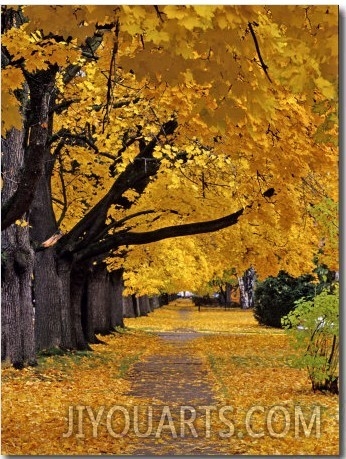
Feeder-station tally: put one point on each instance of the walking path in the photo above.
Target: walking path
(178, 388)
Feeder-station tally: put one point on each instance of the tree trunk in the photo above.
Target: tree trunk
(144, 306)
(136, 306)
(247, 288)
(128, 307)
(17, 314)
(102, 303)
(228, 294)
(154, 302)
(48, 288)
(116, 298)
(64, 267)
(48, 302)
(163, 298)
(98, 318)
(77, 298)
(53, 317)
(328, 385)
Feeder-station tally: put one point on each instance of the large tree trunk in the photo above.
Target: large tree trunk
(47, 284)
(247, 288)
(103, 303)
(17, 314)
(48, 302)
(58, 287)
(52, 291)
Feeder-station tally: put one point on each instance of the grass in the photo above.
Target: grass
(182, 314)
(126, 363)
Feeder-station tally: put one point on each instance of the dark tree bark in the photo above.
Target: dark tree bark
(48, 292)
(154, 302)
(48, 302)
(77, 292)
(64, 266)
(41, 87)
(163, 298)
(144, 305)
(27, 165)
(116, 298)
(229, 289)
(128, 307)
(226, 294)
(102, 306)
(17, 313)
(136, 307)
(98, 301)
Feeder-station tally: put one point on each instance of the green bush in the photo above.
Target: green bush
(275, 297)
(314, 327)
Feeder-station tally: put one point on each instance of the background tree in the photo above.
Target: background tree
(247, 285)
(275, 297)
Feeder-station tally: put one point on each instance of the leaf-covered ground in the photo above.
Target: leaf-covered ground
(245, 366)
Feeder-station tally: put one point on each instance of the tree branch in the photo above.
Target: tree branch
(263, 65)
(130, 238)
(134, 176)
(63, 190)
(112, 70)
(159, 13)
(119, 223)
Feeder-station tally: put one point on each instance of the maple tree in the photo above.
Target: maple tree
(139, 123)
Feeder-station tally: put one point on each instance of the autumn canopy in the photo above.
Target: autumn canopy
(126, 126)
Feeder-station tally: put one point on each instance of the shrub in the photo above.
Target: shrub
(314, 327)
(275, 297)
(205, 301)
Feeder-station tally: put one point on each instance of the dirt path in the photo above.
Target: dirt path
(172, 382)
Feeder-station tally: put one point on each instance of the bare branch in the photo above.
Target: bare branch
(63, 190)
(159, 13)
(112, 69)
(263, 65)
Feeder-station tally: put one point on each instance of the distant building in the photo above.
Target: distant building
(185, 294)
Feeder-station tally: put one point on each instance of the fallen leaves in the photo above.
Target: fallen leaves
(247, 366)
(36, 400)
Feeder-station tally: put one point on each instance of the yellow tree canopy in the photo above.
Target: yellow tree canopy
(252, 91)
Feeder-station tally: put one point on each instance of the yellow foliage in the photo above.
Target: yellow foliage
(239, 133)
